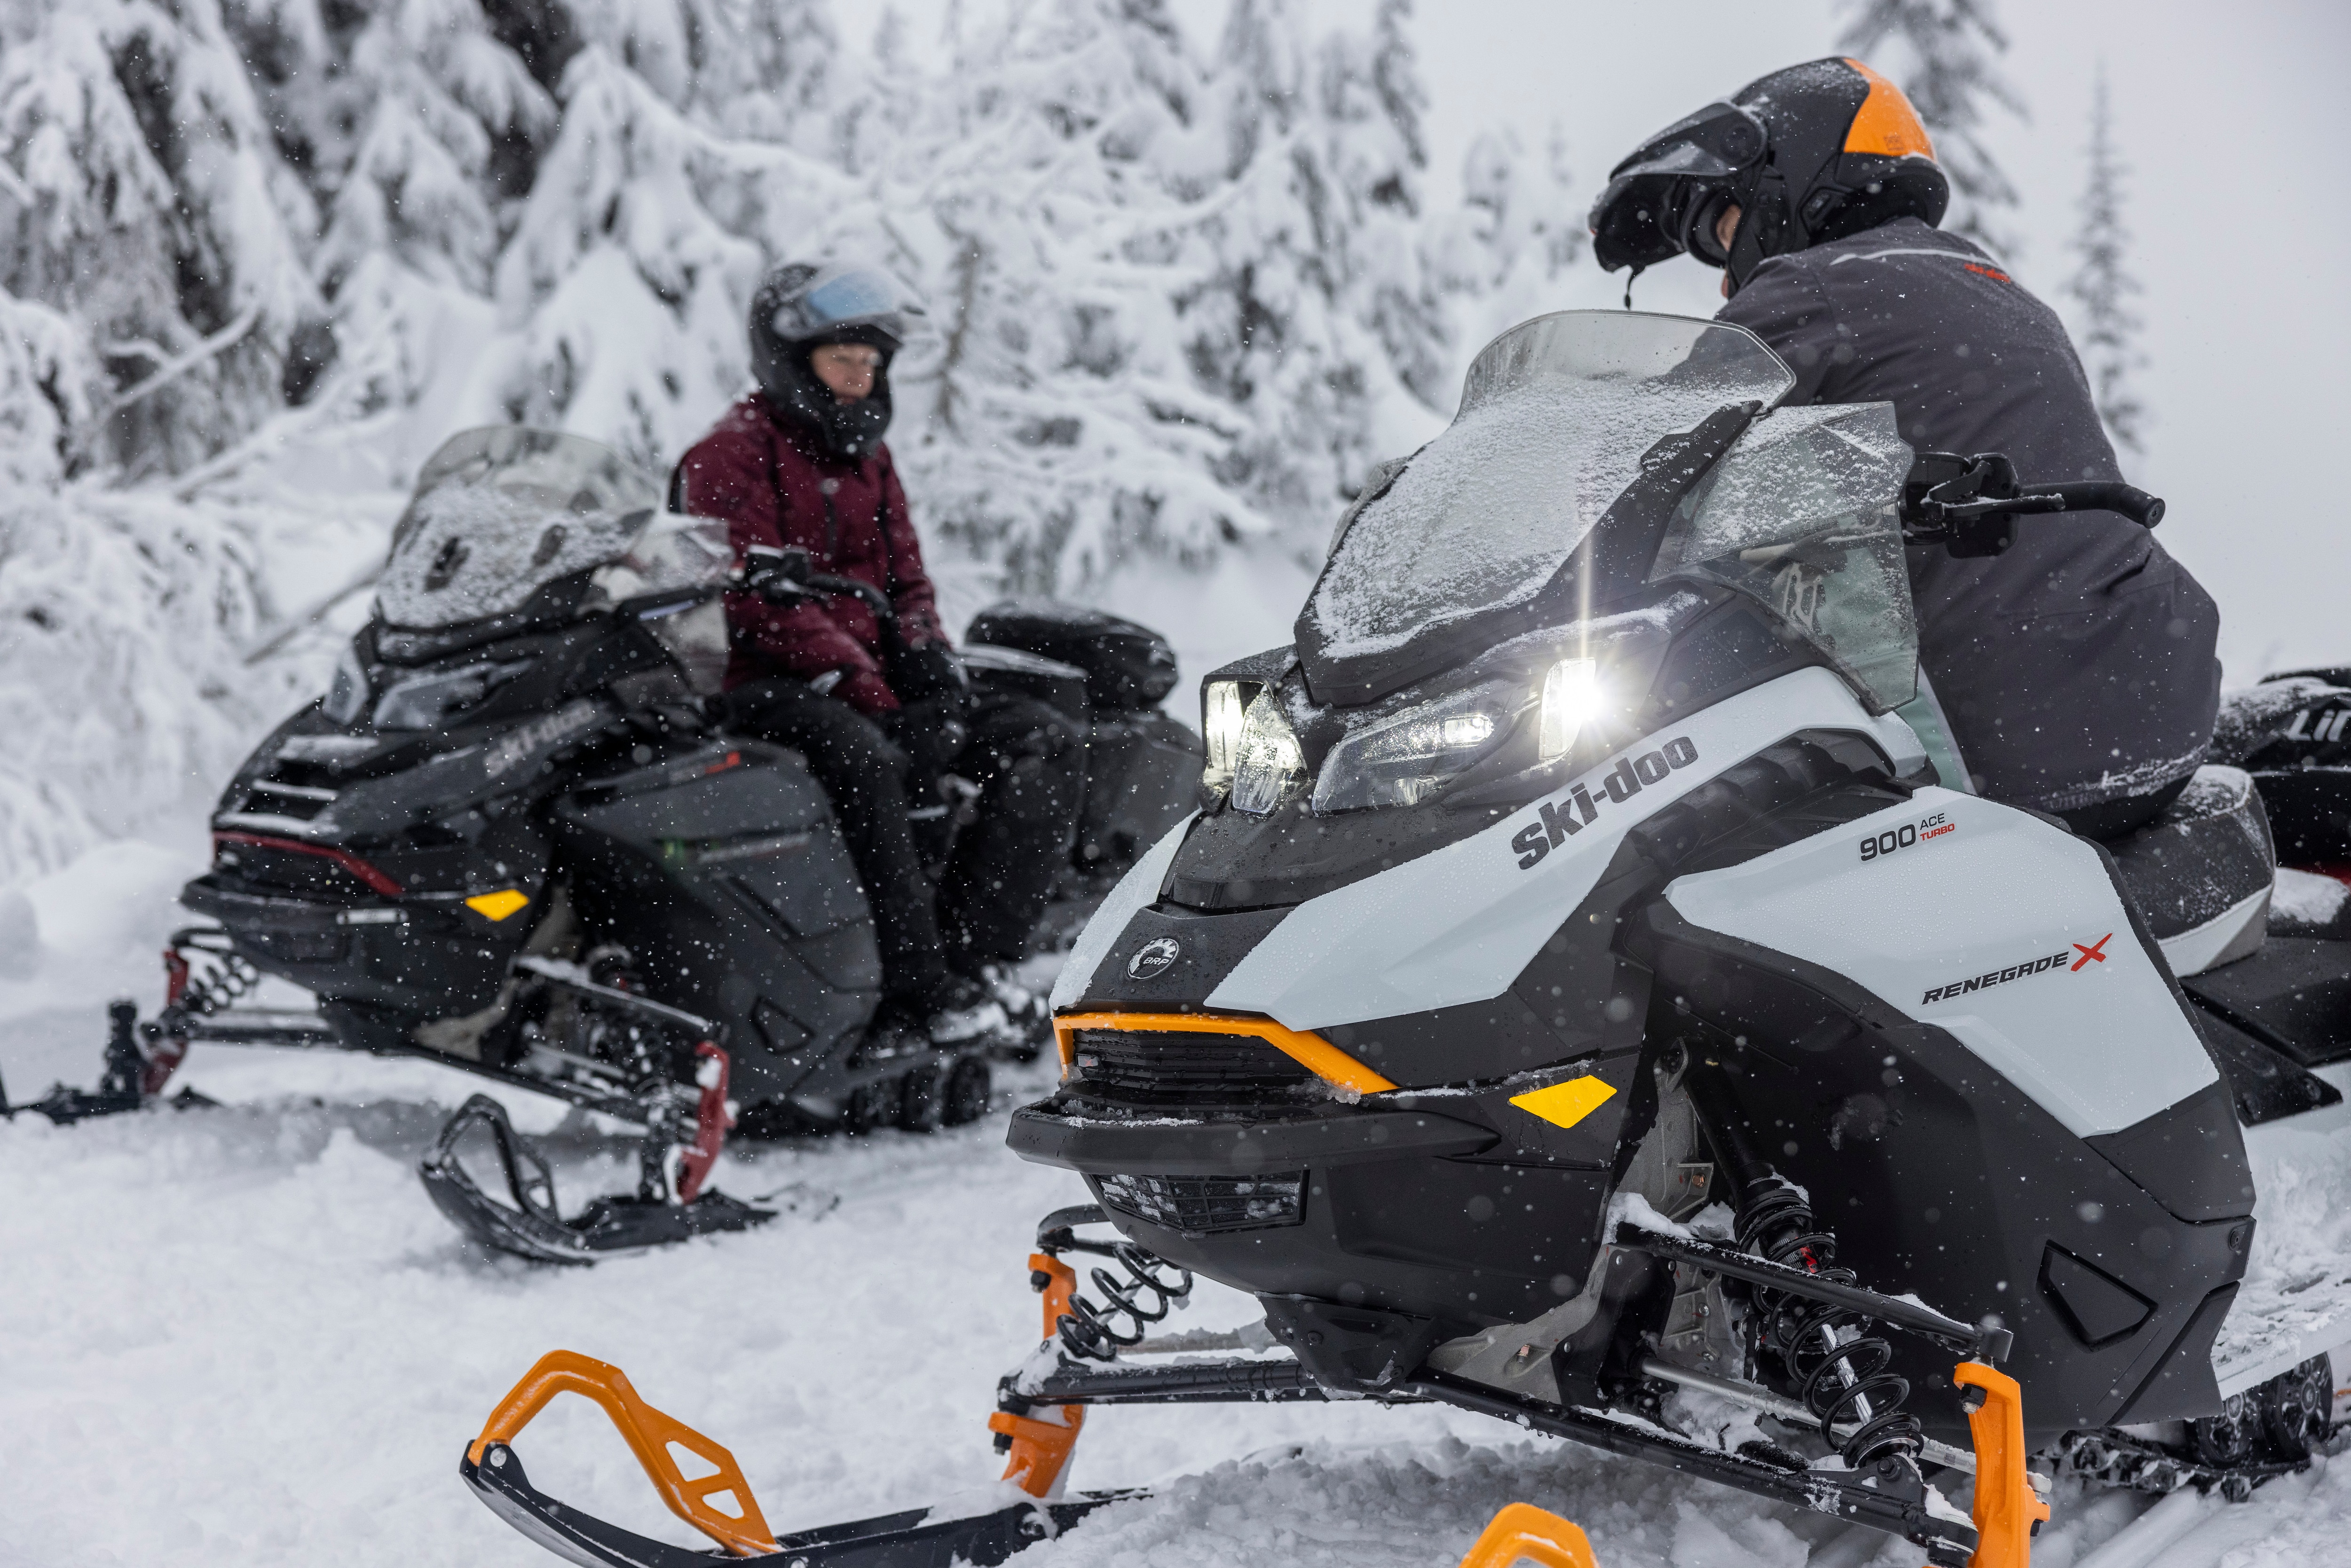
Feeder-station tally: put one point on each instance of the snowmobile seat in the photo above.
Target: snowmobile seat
(2201, 873)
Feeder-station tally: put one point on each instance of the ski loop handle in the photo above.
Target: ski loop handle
(1524, 1533)
(651, 1435)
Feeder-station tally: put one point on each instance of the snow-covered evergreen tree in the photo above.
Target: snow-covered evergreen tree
(1520, 229)
(1945, 54)
(2104, 286)
(1177, 297)
(142, 198)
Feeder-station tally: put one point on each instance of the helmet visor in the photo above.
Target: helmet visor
(854, 297)
(1656, 197)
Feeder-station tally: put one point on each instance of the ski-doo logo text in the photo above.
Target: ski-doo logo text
(1984, 982)
(1580, 807)
(1908, 834)
(522, 744)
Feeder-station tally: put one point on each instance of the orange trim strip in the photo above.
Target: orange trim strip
(1318, 1055)
(1522, 1532)
(2006, 1506)
(649, 1434)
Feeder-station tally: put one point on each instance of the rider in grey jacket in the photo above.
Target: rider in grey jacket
(2076, 670)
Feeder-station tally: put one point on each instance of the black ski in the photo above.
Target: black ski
(910, 1540)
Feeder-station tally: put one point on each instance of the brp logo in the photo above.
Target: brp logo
(1154, 957)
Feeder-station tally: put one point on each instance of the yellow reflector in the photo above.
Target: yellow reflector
(499, 905)
(1564, 1104)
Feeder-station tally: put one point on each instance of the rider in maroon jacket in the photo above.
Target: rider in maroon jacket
(801, 463)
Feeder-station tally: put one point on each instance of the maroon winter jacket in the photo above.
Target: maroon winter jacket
(776, 485)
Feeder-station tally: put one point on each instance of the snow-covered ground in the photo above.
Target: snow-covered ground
(242, 1336)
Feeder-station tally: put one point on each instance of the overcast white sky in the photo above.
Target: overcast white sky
(2233, 119)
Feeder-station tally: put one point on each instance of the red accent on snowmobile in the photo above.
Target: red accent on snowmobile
(374, 877)
(651, 1435)
(170, 1048)
(712, 1122)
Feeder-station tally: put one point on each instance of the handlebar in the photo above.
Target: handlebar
(777, 575)
(2100, 496)
(1971, 504)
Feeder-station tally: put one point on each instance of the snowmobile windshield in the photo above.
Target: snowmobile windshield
(1454, 550)
(675, 561)
(500, 513)
(1802, 515)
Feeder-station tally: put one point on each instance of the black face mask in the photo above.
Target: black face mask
(845, 430)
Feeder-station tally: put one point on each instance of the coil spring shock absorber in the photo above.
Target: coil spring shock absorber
(193, 994)
(1840, 1369)
(134, 1068)
(1151, 1289)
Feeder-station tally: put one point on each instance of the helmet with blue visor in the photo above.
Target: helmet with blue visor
(799, 308)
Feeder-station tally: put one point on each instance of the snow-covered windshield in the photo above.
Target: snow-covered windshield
(676, 551)
(1803, 514)
(501, 512)
(1554, 418)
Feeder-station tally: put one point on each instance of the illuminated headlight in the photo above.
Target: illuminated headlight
(1266, 761)
(1572, 698)
(1403, 761)
(1222, 713)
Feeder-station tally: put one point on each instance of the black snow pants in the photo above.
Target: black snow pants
(1025, 758)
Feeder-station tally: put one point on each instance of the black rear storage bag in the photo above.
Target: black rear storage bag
(1127, 666)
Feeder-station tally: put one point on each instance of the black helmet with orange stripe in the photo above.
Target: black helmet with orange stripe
(1809, 154)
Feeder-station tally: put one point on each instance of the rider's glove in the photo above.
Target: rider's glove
(931, 670)
(932, 733)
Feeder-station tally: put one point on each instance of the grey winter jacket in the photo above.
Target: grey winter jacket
(2078, 667)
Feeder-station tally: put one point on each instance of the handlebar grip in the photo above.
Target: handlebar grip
(2108, 496)
(875, 600)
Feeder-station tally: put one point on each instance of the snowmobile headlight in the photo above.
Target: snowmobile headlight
(1403, 761)
(1267, 760)
(1572, 698)
(1223, 704)
(346, 694)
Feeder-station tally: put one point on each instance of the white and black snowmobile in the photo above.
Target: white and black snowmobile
(1583, 998)
(508, 839)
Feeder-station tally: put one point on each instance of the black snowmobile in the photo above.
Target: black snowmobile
(508, 839)
(1579, 999)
